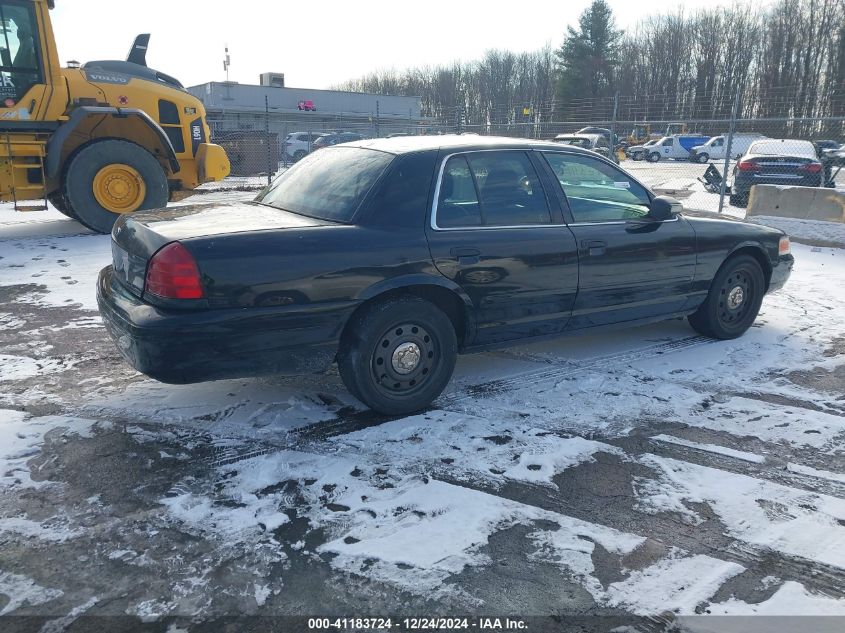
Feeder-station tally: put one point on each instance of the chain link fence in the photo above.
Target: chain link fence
(708, 164)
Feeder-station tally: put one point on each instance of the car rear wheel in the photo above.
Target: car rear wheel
(738, 200)
(398, 355)
(734, 299)
(653, 157)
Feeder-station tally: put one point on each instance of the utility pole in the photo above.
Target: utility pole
(227, 61)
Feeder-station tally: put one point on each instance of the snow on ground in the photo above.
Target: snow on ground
(797, 522)
(633, 472)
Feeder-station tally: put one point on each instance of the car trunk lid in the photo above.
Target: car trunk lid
(137, 237)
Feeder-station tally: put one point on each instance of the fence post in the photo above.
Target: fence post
(728, 148)
(613, 130)
(270, 170)
(378, 131)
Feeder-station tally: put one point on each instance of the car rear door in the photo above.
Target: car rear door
(495, 231)
(631, 267)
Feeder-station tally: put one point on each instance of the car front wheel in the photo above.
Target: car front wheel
(653, 157)
(398, 355)
(702, 158)
(733, 301)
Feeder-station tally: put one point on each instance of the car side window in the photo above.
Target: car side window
(509, 189)
(667, 143)
(597, 191)
(457, 204)
(491, 189)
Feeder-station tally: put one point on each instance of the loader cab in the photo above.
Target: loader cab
(20, 64)
(25, 57)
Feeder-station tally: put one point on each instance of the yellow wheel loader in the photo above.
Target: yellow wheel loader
(97, 141)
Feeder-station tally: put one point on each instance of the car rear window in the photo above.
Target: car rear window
(783, 147)
(329, 184)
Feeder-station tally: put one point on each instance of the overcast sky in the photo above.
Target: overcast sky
(317, 44)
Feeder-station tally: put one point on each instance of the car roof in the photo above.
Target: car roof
(458, 142)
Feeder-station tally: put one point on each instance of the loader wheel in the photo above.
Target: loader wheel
(109, 178)
(57, 199)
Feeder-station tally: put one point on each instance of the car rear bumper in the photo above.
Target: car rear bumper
(196, 346)
(780, 272)
(742, 184)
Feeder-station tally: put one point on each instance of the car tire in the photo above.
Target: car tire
(88, 188)
(637, 156)
(738, 200)
(299, 154)
(653, 157)
(734, 299)
(370, 358)
(702, 158)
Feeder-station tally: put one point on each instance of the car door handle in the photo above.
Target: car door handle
(594, 247)
(466, 255)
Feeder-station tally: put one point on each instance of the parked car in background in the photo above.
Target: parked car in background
(335, 138)
(392, 256)
(639, 152)
(298, 144)
(306, 105)
(594, 142)
(776, 162)
(677, 146)
(832, 156)
(716, 147)
(825, 146)
(612, 139)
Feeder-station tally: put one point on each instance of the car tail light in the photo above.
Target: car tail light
(173, 274)
(747, 165)
(810, 168)
(783, 246)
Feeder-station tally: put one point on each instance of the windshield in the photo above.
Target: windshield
(329, 184)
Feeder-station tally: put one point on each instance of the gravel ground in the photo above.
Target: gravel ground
(647, 472)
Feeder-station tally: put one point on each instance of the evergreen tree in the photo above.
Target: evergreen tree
(588, 58)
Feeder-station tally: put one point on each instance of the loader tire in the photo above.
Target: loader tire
(57, 199)
(109, 178)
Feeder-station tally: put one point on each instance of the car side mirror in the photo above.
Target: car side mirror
(664, 208)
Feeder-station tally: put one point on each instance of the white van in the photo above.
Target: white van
(716, 147)
(676, 146)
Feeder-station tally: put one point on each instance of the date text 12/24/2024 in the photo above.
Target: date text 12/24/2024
(417, 624)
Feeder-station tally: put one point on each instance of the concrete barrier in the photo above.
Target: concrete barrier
(804, 203)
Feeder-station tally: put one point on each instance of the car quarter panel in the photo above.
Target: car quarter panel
(307, 266)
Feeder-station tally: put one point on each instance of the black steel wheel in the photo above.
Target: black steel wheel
(396, 356)
(733, 301)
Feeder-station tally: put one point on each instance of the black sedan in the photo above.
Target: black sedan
(776, 162)
(392, 256)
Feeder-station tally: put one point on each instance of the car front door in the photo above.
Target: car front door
(494, 232)
(631, 267)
